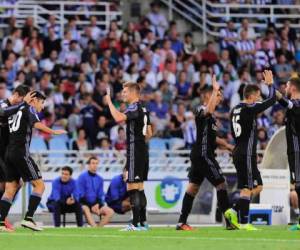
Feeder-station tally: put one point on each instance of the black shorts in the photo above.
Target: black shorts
(21, 165)
(294, 164)
(205, 167)
(247, 172)
(2, 170)
(137, 163)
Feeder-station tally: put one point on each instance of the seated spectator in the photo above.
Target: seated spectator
(189, 129)
(63, 198)
(72, 27)
(102, 129)
(246, 49)
(176, 121)
(81, 143)
(283, 70)
(184, 88)
(117, 196)
(229, 86)
(270, 39)
(286, 50)
(209, 55)
(158, 20)
(223, 63)
(264, 58)
(96, 33)
(176, 44)
(51, 42)
(278, 122)
(120, 142)
(250, 32)
(159, 112)
(52, 24)
(15, 38)
(91, 195)
(188, 46)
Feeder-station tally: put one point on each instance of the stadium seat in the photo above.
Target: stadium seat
(157, 145)
(37, 144)
(58, 144)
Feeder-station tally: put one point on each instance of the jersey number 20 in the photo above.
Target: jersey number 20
(14, 122)
(236, 126)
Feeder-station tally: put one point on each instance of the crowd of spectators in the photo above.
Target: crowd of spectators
(73, 70)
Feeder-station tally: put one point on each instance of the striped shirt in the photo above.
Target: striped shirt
(226, 33)
(245, 46)
(290, 47)
(264, 59)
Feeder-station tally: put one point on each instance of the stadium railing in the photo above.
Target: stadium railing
(211, 17)
(113, 161)
(62, 10)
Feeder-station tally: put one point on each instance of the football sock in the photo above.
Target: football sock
(34, 201)
(135, 202)
(244, 204)
(223, 200)
(143, 211)
(5, 205)
(187, 205)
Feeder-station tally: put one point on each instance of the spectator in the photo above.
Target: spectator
(189, 129)
(176, 44)
(120, 142)
(117, 196)
(15, 38)
(72, 27)
(81, 143)
(278, 122)
(250, 33)
(285, 50)
(102, 130)
(28, 27)
(283, 70)
(229, 37)
(184, 88)
(246, 49)
(51, 42)
(264, 58)
(188, 46)
(209, 55)
(63, 198)
(158, 20)
(176, 121)
(91, 195)
(52, 24)
(96, 32)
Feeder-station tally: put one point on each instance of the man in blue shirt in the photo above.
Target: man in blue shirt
(117, 196)
(62, 198)
(91, 195)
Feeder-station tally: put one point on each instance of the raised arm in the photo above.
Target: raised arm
(262, 106)
(116, 114)
(213, 100)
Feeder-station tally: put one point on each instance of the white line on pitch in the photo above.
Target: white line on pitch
(144, 235)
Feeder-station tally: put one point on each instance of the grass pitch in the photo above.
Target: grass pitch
(214, 238)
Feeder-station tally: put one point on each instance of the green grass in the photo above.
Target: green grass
(206, 238)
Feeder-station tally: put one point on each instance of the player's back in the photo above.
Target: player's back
(293, 127)
(244, 129)
(206, 133)
(20, 127)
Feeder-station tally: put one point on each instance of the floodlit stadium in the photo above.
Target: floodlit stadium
(125, 123)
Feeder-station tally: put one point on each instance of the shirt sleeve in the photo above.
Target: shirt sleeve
(101, 193)
(262, 106)
(8, 111)
(132, 112)
(33, 116)
(80, 188)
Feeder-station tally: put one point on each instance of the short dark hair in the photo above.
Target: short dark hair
(67, 168)
(295, 81)
(39, 95)
(250, 89)
(22, 90)
(92, 158)
(132, 86)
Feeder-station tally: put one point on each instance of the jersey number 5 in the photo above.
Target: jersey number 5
(14, 122)
(236, 126)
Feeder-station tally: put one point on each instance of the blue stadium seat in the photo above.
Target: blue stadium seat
(57, 143)
(158, 145)
(37, 144)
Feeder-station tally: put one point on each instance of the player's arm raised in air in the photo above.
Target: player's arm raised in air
(8, 111)
(262, 106)
(213, 100)
(116, 114)
(289, 104)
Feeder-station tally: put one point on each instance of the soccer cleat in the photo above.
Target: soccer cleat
(145, 227)
(231, 216)
(8, 225)
(295, 227)
(131, 227)
(30, 224)
(5, 229)
(249, 227)
(184, 227)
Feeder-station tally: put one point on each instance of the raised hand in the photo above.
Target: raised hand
(215, 84)
(268, 77)
(108, 91)
(28, 98)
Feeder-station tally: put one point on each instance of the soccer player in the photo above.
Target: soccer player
(20, 164)
(244, 131)
(204, 164)
(293, 132)
(9, 107)
(117, 195)
(138, 131)
(91, 195)
(63, 197)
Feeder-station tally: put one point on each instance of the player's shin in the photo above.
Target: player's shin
(136, 206)
(244, 204)
(34, 201)
(5, 204)
(143, 211)
(187, 205)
